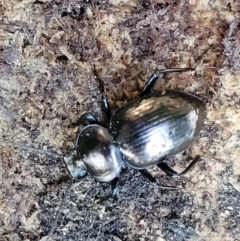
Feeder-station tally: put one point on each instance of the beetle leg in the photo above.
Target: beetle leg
(170, 172)
(114, 189)
(148, 176)
(153, 181)
(149, 85)
(85, 120)
(153, 78)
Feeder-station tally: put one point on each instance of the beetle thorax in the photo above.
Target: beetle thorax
(96, 149)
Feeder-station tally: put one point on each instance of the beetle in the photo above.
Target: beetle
(142, 133)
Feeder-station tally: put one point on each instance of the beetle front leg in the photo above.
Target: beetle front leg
(114, 189)
(153, 78)
(170, 172)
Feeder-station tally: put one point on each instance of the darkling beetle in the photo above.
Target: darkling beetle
(144, 132)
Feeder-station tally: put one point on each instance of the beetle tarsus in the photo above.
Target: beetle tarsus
(170, 187)
(161, 71)
(153, 181)
(170, 172)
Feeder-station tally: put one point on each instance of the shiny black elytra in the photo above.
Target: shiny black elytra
(144, 132)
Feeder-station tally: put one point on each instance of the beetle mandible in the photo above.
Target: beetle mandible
(144, 132)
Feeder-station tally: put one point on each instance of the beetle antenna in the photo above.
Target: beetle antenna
(105, 103)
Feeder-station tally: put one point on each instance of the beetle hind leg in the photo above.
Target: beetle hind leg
(153, 181)
(148, 176)
(153, 78)
(170, 172)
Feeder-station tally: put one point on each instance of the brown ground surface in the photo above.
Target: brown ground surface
(48, 48)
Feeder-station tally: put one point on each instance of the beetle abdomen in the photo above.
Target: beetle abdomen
(156, 126)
